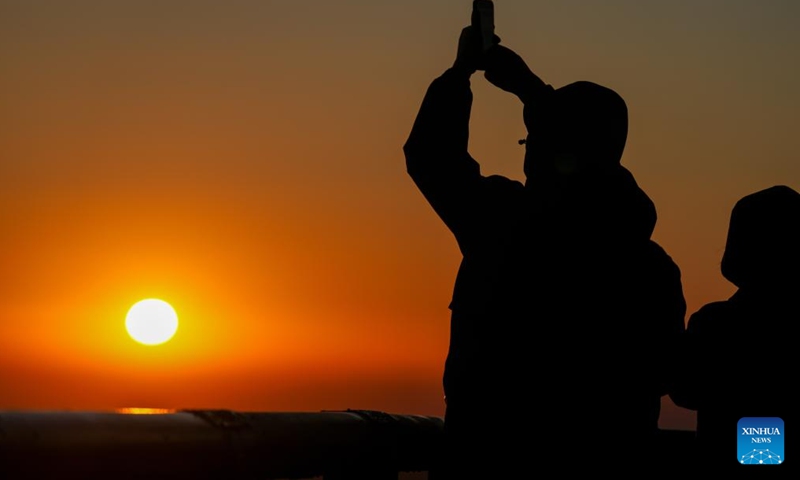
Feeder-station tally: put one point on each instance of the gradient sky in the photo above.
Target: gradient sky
(242, 160)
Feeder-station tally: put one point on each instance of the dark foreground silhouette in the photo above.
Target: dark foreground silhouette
(739, 357)
(565, 314)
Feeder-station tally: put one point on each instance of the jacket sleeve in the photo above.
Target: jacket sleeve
(671, 329)
(687, 391)
(661, 297)
(436, 151)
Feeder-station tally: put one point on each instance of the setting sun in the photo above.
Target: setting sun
(151, 321)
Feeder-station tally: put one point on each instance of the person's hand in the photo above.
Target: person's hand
(470, 56)
(470, 50)
(508, 71)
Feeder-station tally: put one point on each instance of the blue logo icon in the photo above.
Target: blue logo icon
(760, 441)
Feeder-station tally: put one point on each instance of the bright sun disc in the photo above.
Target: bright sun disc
(151, 321)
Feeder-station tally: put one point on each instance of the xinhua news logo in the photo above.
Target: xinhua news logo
(760, 441)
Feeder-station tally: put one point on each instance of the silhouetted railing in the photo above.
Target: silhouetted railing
(208, 444)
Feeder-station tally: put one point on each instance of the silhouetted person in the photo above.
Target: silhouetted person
(739, 358)
(564, 313)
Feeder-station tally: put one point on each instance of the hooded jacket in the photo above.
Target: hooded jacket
(559, 281)
(738, 355)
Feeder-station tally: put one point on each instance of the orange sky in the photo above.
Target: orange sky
(242, 160)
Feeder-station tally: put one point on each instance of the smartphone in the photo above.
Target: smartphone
(483, 20)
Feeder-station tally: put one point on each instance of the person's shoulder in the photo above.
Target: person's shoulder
(709, 316)
(500, 181)
(659, 252)
(503, 186)
(658, 257)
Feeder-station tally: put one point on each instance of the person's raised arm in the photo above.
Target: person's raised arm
(506, 70)
(436, 150)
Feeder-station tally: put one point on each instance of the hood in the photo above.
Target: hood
(583, 124)
(763, 245)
